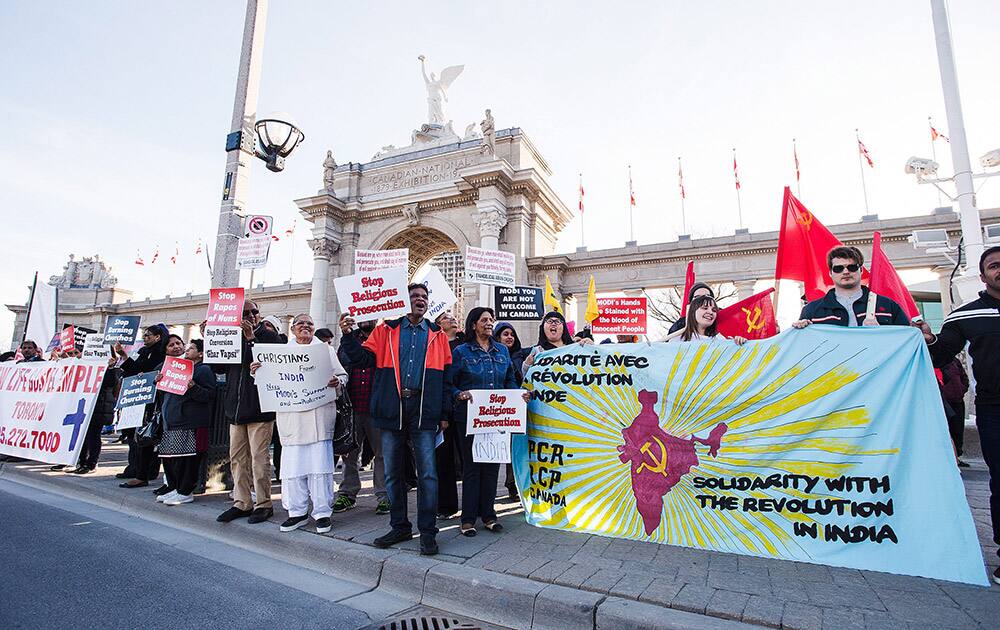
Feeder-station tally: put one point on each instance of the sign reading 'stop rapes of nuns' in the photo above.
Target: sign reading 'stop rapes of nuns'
(518, 303)
(825, 445)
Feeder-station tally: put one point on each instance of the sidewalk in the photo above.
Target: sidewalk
(532, 577)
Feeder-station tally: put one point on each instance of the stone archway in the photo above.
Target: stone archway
(424, 244)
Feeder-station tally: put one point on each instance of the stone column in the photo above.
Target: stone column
(490, 217)
(324, 249)
(744, 288)
(944, 282)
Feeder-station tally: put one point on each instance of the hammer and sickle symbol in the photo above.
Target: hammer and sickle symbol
(660, 464)
(755, 321)
(805, 219)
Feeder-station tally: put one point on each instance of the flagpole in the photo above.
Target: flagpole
(631, 219)
(739, 203)
(680, 176)
(934, 157)
(798, 184)
(861, 167)
(583, 240)
(291, 259)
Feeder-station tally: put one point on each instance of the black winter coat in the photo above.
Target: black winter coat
(242, 403)
(107, 396)
(827, 310)
(193, 409)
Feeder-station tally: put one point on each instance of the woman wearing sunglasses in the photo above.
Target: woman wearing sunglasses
(846, 304)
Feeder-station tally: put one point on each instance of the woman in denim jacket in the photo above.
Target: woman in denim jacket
(479, 363)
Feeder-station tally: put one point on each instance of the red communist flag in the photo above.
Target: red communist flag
(688, 283)
(802, 247)
(752, 318)
(884, 280)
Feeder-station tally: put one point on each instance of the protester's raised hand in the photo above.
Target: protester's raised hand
(925, 329)
(256, 366)
(526, 395)
(739, 341)
(202, 325)
(346, 323)
(159, 377)
(190, 384)
(802, 323)
(247, 329)
(870, 321)
(586, 341)
(119, 350)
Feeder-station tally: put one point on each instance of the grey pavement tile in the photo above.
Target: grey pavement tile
(597, 543)
(576, 575)
(631, 585)
(764, 611)
(823, 594)
(661, 591)
(920, 598)
(900, 582)
(603, 580)
(693, 598)
(882, 621)
(727, 604)
(723, 562)
(739, 582)
(526, 566)
(754, 566)
(843, 619)
(790, 589)
(812, 572)
(802, 617)
(933, 614)
(504, 562)
(600, 563)
(482, 559)
(843, 575)
(549, 571)
(540, 549)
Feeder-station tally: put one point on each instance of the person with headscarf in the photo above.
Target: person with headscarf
(698, 289)
(479, 363)
(143, 463)
(504, 333)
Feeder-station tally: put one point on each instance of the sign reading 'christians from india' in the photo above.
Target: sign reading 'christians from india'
(293, 377)
(825, 445)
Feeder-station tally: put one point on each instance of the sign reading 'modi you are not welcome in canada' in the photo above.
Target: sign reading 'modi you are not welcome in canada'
(45, 408)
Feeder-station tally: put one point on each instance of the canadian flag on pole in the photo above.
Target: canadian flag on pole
(752, 318)
(864, 152)
(884, 280)
(290, 231)
(631, 192)
(680, 178)
(156, 255)
(688, 283)
(138, 259)
(581, 195)
(177, 252)
(736, 172)
(803, 243)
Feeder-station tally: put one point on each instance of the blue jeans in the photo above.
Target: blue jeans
(988, 423)
(393, 449)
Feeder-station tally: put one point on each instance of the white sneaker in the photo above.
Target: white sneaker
(179, 499)
(164, 497)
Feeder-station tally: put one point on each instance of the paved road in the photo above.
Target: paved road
(64, 570)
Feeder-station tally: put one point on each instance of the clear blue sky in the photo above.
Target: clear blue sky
(115, 113)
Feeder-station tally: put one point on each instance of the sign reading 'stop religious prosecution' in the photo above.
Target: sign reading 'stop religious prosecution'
(489, 266)
(293, 377)
(496, 410)
(45, 408)
(825, 445)
(223, 333)
(519, 303)
(374, 295)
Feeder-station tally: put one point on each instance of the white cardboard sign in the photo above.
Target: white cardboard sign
(489, 266)
(439, 293)
(293, 377)
(94, 348)
(368, 260)
(374, 295)
(495, 410)
(252, 251)
(491, 448)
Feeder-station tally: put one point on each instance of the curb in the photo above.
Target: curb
(496, 598)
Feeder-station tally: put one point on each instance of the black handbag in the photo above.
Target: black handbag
(151, 431)
(344, 438)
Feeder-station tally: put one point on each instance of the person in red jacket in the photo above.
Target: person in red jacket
(410, 356)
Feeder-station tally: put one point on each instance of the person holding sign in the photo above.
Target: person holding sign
(307, 445)
(143, 464)
(480, 363)
(846, 304)
(409, 397)
(186, 419)
(552, 333)
(700, 323)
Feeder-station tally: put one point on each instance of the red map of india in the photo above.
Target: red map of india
(658, 459)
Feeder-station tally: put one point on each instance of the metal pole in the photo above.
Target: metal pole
(631, 220)
(680, 180)
(861, 167)
(972, 231)
(739, 203)
(237, 175)
(583, 240)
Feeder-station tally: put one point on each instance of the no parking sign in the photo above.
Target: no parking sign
(257, 225)
(253, 248)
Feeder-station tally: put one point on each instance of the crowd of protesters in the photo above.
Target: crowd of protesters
(408, 380)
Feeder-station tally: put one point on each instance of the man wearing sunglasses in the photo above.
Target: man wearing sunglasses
(847, 302)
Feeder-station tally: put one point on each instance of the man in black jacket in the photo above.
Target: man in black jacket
(978, 324)
(249, 428)
(846, 303)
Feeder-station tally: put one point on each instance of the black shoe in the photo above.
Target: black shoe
(294, 522)
(260, 515)
(962, 464)
(324, 525)
(82, 470)
(512, 494)
(393, 537)
(162, 490)
(122, 475)
(996, 575)
(57, 467)
(232, 514)
(141, 484)
(428, 546)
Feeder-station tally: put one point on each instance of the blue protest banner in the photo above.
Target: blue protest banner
(137, 390)
(123, 329)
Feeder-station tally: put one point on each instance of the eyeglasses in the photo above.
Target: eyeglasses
(251, 312)
(840, 268)
(303, 325)
(553, 320)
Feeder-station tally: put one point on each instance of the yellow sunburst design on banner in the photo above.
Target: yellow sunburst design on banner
(707, 384)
